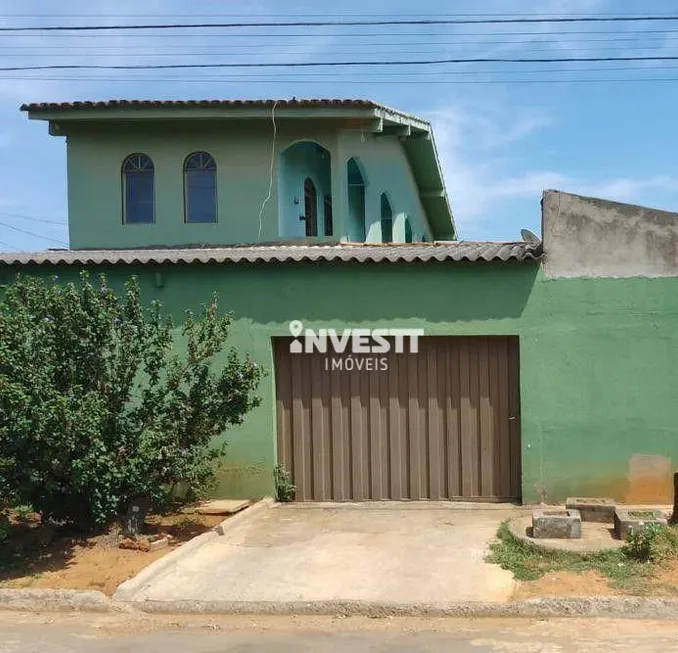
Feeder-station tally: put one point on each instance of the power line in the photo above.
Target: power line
(4, 244)
(343, 23)
(426, 38)
(308, 34)
(376, 81)
(257, 52)
(34, 219)
(30, 233)
(347, 76)
(335, 64)
(397, 43)
(325, 15)
(353, 49)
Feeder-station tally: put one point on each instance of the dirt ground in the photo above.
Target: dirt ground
(664, 582)
(564, 583)
(46, 558)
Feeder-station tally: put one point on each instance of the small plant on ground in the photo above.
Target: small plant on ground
(652, 543)
(284, 488)
(23, 511)
(640, 542)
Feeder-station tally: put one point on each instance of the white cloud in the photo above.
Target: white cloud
(473, 147)
(479, 151)
(632, 189)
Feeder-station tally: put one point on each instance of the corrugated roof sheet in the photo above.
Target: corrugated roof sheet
(367, 253)
(153, 104)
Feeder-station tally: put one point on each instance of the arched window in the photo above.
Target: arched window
(138, 190)
(408, 231)
(386, 220)
(200, 188)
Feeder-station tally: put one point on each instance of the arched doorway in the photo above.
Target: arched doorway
(305, 191)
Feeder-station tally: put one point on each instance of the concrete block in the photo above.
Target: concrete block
(556, 524)
(161, 543)
(595, 509)
(222, 506)
(628, 519)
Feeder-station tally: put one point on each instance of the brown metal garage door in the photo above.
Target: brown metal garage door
(439, 424)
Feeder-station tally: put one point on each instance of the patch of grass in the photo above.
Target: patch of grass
(531, 563)
(22, 512)
(664, 546)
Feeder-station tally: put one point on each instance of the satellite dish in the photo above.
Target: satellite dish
(529, 236)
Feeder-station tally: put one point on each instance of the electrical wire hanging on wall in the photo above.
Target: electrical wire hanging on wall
(271, 172)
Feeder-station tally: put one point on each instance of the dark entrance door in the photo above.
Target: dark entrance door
(440, 424)
(311, 208)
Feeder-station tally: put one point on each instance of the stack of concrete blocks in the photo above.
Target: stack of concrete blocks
(629, 519)
(556, 524)
(567, 524)
(597, 510)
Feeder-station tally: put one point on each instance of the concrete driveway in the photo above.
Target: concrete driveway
(391, 554)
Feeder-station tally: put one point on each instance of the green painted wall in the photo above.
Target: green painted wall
(242, 151)
(598, 356)
(386, 170)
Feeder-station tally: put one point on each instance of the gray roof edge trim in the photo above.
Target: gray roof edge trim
(458, 252)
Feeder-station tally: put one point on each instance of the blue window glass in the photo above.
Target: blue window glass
(200, 188)
(138, 189)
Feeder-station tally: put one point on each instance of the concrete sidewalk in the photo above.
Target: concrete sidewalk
(383, 553)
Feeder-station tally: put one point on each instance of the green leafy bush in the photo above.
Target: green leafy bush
(96, 404)
(5, 528)
(652, 543)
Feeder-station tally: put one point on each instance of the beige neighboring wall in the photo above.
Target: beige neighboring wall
(588, 237)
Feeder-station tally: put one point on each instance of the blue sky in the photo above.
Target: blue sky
(500, 144)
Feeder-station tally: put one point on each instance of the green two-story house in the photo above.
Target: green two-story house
(472, 370)
(169, 174)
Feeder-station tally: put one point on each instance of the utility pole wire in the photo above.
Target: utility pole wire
(493, 82)
(4, 244)
(311, 34)
(342, 23)
(60, 223)
(396, 43)
(404, 49)
(335, 64)
(30, 233)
